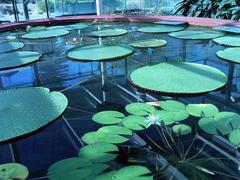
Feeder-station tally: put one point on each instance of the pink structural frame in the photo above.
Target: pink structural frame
(74, 19)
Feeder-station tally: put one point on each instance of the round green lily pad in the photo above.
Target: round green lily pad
(229, 29)
(160, 117)
(27, 109)
(10, 46)
(148, 43)
(114, 129)
(172, 105)
(172, 23)
(178, 78)
(196, 35)
(141, 109)
(223, 123)
(228, 40)
(133, 172)
(44, 34)
(18, 58)
(180, 115)
(202, 110)
(10, 171)
(182, 129)
(108, 117)
(6, 38)
(160, 29)
(98, 53)
(234, 137)
(98, 136)
(230, 54)
(135, 122)
(69, 27)
(99, 152)
(108, 33)
(75, 169)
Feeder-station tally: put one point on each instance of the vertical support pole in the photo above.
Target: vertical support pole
(47, 9)
(230, 81)
(99, 7)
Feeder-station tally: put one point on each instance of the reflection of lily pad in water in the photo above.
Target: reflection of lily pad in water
(140, 109)
(160, 29)
(234, 137)
(17, 58)
(44, 34)
(196, 35)
(127, 173)
(181, 129)
(178, 78)
(27, 109)
(108, 33)
(228, 40)
(75, 169)
(13, 171)
(202, 110)
(98, 53)
(10, 46)
(148, 43)
(108, 117)
(230, 54)
(222, 123)
(99, 152)
(6, 38)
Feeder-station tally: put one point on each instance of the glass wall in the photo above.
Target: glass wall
(6, 10)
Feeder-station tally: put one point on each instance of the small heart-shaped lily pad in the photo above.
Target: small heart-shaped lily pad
(181, 129)
(108, 117)
(135, 122)
(234, 137)
(141, 109)
(10, 171)
(202, 110)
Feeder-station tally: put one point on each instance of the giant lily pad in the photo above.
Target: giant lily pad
(99, 152)
(172, 105)
(140, 109)
(69, 27)
(108, 117)
(181, 129)
(27, 109)
(132, 172)
(196, 35)
(222, 123)
(108, 33)
(234, 137)
(75, 169)
(99, 53)
(230, 29)
(44, 34)
(12, 171)
(230, 54)
(228, 40)
(202, 110)
(160, 29)
(10, 46)
(148, 43)
(6, 38)
(172, 23)
(178, 78)
(135, 122)
(18, 58)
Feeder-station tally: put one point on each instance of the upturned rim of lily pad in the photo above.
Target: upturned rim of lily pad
(227, 52)
(137, 43)
(145, 29)
(115, 32)
(63, 33)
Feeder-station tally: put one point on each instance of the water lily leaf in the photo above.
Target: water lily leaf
(230, 54)
(99, 53)
(108, 33)
(159, 117)
(228, 40)
(127, 173)
(120, 130)
(135, 122)
(173, 23)
(223, 123)
(177, 78)
(180, 115)
(181, 129)
(44, 34)
(27, 109)
(141, 109)
(6, 38)
(11, 171)
(196, 35)
(69, 27)
(172, 105)
(75, 169)
(95, 137)
(202, 110)
(160, 29)
(148, 43)
(10, 46)
(98, 152)
(17, 58)
(108, 117)
(230, 29)
(234, 137)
